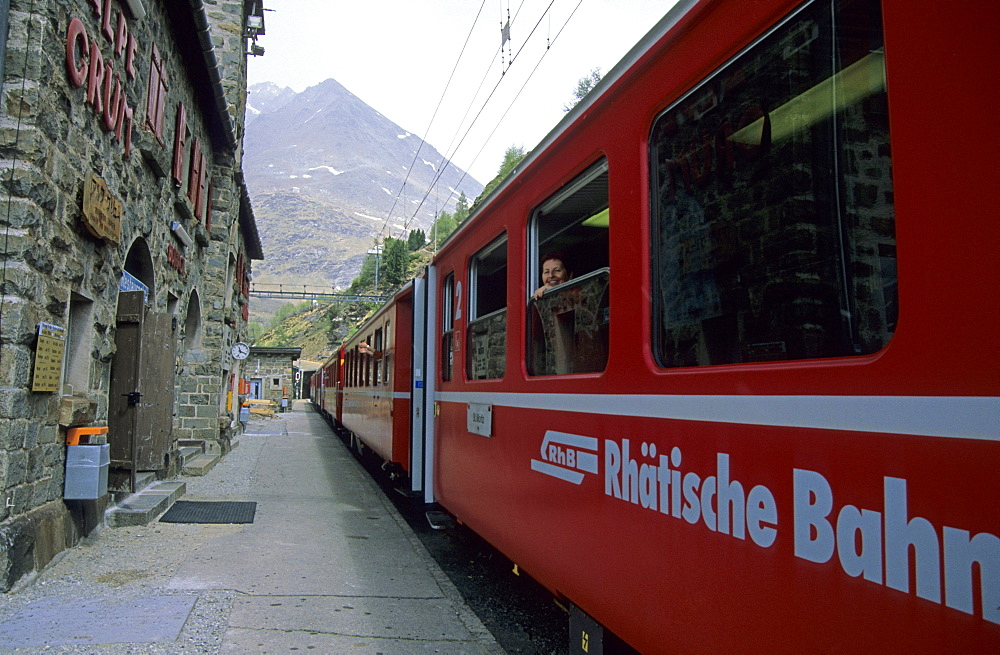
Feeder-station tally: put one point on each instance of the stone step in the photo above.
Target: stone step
(199, 465)
(142, 480)
(187, 453)
(143, 506)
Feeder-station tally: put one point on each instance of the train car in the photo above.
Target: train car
(762, 413)
(317, 387)
(372, 385)
(327, 383)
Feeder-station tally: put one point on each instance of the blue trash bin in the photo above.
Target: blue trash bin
(87, 472)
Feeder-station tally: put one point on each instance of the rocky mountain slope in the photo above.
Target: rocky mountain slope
(324, 171)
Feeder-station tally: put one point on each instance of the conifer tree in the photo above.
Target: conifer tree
(443, 227)
(416, 240)
(394, 260)
(461, 208)
(583, 87)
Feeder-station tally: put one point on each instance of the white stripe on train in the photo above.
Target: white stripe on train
(934, 416)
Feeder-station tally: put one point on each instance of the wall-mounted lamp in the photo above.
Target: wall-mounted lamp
(180, 233)
(137, 8)
(255, 23)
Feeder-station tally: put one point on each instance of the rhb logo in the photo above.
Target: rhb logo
(567, 456)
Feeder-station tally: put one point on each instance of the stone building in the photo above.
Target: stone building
(271, 372)
(127, 236)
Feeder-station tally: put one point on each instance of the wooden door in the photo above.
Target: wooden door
(141, 403)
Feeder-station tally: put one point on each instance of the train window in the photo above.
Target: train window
(773, 231)
(569, 276)
(487, 340)
(371, 370)
(447, 327)
(367, 352)
(377, 358)
(384, 355)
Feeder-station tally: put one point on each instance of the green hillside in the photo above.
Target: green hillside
(320, 327)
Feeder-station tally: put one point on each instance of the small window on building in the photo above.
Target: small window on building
(447, 327)
(156, 95)
(488, 311)
(569, 276)
(275, 382)
(773, 232)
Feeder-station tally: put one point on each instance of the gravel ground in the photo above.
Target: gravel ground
(124, 566)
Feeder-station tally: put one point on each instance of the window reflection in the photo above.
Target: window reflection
(773, 224)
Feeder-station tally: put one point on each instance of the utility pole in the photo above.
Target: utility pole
(377, 250)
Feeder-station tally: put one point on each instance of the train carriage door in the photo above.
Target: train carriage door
(422, 386)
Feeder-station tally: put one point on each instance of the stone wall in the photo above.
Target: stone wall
(61, 127)
(275, 368)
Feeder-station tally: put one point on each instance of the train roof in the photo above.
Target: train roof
(664, 25)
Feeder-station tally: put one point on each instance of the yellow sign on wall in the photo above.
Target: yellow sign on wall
(48, 358)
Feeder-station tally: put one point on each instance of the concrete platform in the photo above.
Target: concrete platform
(328, 565)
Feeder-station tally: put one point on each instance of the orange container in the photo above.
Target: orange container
(73, 435)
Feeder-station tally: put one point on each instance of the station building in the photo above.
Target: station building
(126, 237)
(272, 372)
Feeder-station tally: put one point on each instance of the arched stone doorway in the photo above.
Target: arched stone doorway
(139, 265)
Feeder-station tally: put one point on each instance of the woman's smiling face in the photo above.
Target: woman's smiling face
(553, 272)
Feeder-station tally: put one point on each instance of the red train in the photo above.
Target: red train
(762, 413)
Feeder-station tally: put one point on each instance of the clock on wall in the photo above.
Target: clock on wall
(240, 350)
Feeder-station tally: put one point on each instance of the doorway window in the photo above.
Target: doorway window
(569, 277)
(488, 311)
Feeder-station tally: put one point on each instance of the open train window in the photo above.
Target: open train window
(569, 276)
(379, 348)
(447, 327)
(773, 233)
(368, 360)
(487, 340)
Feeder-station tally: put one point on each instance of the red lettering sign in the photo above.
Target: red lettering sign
(175, 258)
(76, 35)
(86, 65)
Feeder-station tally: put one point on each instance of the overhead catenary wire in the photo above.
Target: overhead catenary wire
(446, 160)
(433, 117)
(438, 169)
(458, 130)
(472, 104)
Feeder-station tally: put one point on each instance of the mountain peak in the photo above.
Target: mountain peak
(325, 170)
